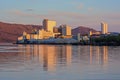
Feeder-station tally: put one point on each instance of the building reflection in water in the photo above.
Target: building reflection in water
(99, 54)
(91, 54)
(49, 58)
(105, 56)
(49, 55)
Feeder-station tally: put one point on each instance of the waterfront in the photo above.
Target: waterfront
(59, 62)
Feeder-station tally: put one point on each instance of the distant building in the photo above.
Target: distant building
(23, 36)
(33, 36)
(49, 31)
(20, 38)
(48, 25)
(41, 34)
(96, 33)
(104, 28)
(44, 34)
(28, 37)
(66, 30)
(55, 30)
(77, 37)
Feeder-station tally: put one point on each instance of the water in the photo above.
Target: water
(59, 62)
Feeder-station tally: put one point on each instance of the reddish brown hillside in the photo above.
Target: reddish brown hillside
(10, 32)
(82, 30)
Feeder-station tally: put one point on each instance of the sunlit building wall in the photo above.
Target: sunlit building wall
(24, 33)
(40, 33)
(104, 28)
(94, 33)
(44, 34)
(34, 36)
(48, 25)
(66, 30)
(28, 36)
(90, 33)
(20, 38)
(23, 36)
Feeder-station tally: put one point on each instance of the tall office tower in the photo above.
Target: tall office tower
(48, 25)
(104, 28)
(66, 30)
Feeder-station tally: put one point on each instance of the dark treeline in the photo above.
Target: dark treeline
(106, 40)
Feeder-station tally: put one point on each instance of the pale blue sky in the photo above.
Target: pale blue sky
(75, 13)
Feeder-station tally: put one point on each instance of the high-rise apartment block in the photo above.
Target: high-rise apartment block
(66, 30)
(48, 25)
(104, 28)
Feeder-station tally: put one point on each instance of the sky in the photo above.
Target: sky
(89, 13)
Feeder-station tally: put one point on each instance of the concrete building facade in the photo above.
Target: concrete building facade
(104, 28)
(48, 25)
(44, 34)
(66, 30)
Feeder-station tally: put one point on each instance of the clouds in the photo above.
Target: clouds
(72, 18)
(82, 7)
(20, 13)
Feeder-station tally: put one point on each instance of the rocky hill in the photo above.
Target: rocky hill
(10, 32)
(82, 30)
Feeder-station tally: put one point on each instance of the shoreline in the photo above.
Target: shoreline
(82, 44)
(70, 41)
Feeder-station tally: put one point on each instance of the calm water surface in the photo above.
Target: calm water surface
(59, 62)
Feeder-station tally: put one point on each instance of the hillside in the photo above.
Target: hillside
(82, 30)
(10, 32)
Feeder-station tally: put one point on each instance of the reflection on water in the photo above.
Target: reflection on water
(84, 60)
(49, 56)
(101, 54)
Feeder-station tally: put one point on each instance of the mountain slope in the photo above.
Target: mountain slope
(82, 30)
(10, 32)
